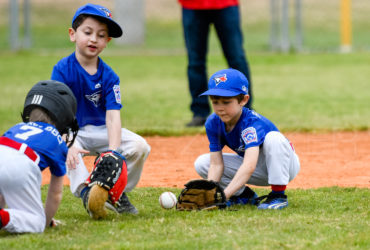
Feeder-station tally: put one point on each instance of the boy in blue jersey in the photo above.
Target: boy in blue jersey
(97, 90)
(264, 157)
(30, 147)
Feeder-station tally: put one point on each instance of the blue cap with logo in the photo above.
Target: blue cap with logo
(227, 83)
(104, 14)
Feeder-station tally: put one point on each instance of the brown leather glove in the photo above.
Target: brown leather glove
(201, 195)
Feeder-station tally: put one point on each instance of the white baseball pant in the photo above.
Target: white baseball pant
(95, 139)
(277, 164)
(20, 186)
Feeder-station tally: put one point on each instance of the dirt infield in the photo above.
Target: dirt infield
(330, 159)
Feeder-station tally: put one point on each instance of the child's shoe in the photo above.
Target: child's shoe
(247, 197)
(122, 206)
(273, 201)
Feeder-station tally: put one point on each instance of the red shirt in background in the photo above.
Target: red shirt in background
(207, 4)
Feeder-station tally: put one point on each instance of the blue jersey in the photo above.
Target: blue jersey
(95, 94)
(46, 141)
(249, 131)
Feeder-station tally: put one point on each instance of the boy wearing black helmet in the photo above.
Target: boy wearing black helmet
(28, 148)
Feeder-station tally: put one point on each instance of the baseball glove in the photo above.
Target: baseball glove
(201, 195)
(107, 182)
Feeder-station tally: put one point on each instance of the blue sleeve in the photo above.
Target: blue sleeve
(112, 92)
(57, 75)
(214, 137)
(57, 164)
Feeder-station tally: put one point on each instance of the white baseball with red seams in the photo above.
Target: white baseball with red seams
(167, 200)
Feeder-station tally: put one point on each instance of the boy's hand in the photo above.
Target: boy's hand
(72, 156)
(55, 223)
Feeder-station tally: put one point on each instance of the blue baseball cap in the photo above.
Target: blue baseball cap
(105, 14)
(227, 83)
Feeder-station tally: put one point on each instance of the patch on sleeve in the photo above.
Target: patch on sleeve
(249, 135)
(117, 93)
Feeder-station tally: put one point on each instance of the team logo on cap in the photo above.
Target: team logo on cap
(219, 79)
(107, 12)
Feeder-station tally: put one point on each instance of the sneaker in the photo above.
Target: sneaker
(84, 195)
(247, 197)
(197, 121)
(122, 206)
(273, 201)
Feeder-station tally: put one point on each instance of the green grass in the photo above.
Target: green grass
(325, 218)
(298, 92)
(310, 91)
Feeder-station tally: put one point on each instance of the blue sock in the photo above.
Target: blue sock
(278, 192)
(83, 191)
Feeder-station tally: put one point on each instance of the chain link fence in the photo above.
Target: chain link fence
(319, 23)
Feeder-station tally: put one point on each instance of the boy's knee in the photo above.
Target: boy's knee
(141, 148)
(144, 147)
(197, 165)
(273, 139)
(201, 164)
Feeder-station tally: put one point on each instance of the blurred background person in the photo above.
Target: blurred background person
(197, 17)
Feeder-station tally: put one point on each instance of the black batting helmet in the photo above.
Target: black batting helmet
(59, 102)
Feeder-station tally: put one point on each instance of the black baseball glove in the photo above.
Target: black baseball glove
(107, 181)
(107, 169)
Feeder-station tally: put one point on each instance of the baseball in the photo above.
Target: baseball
(167, 200)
